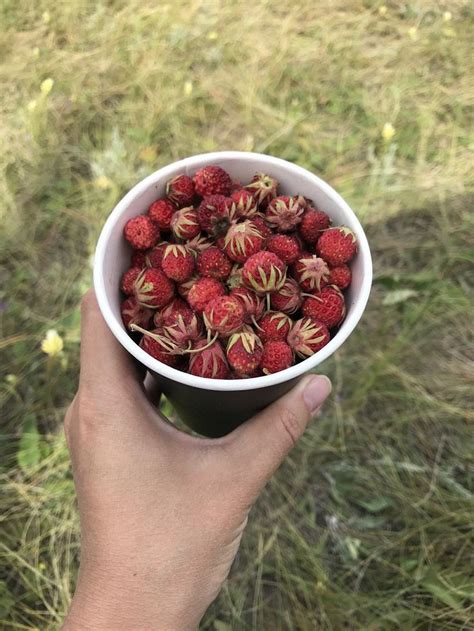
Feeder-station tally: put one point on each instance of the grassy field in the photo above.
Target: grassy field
(368, 525)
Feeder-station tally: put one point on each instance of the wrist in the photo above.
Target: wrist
(104, 601)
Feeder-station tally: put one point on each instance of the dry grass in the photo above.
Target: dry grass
(369, 524)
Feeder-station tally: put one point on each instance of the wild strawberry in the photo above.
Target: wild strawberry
(169, 314)
(185, 224)
(212, 180)
(285, 246)
(277, 355)
(235, 277)
(337, 245)
(242, 240)
(198, 244)
(203, 291)
(161, 212)
(313, 222)
(244, 204)
(183, 288)
(311, 272)
(214, 215)
(154, 257)
(284, 213)
(214, 263)
(307, 336)
(133, 313)
(180, 190)
(223, 315)
(156, 344)
(141, 232)
(210, 362)
(138, 259)
(184, 331)
(153, 288)
(263, 188)
(178, 263)
(127, 284)
(288, 298)
(244, 351)
(326, 306)
(341, 276)
(262, 226)
(264, 272)
(274, 325)
(253, 304)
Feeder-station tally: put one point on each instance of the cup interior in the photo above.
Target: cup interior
(113, 254)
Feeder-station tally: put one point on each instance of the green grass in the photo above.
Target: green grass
(368, 525)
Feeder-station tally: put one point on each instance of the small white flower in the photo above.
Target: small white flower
(46, 86)
(447, 16)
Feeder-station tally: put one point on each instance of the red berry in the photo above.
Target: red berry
(284, 213)
(133, 313)
(307, 336)
(138, 259)
(183, 288)
(204, 290)
(153, 288)
(263, 188)
(156, 345)
(141, 232)
(178, 263)
(253, 304)
(212, 180)
(127, 284)
(326, 306)
(288, 298)
(242, 240)
(185, 224)
(154, 257)
(210, 362)
(311, 272)
(277, 355)
(285, 246)
(223, 315)
(161, 213)
(214, 214)
(184, 331)
(214, 263)
(243, 204)
(312, 223)
(274, 325)
(261, 225)
(198, 244)
(264, 272)
(244, 351)
(180, 190)
(169, 314)
(337, 245)
(341, 276)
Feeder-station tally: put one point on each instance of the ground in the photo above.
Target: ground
(368, 525)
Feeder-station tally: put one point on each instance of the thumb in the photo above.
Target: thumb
(262, 443)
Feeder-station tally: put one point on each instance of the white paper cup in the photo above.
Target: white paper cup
(213, 407)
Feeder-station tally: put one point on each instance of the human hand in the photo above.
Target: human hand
(162, 512)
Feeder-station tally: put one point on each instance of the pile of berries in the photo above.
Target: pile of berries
(230, 281)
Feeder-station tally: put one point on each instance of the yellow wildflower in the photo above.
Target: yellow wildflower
(413, 33)
(46, 17)
(148, 154)
(188, 88)
(102, 182)
(36, 51)
(46, 86)
(449, 32)
(52, 344)
(383, 10)
(31, 105)
(447, 16)
(388, 132)
(212, 36)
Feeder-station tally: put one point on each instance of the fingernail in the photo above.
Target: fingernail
(316, 391)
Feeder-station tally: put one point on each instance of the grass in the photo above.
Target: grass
(368, 525)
